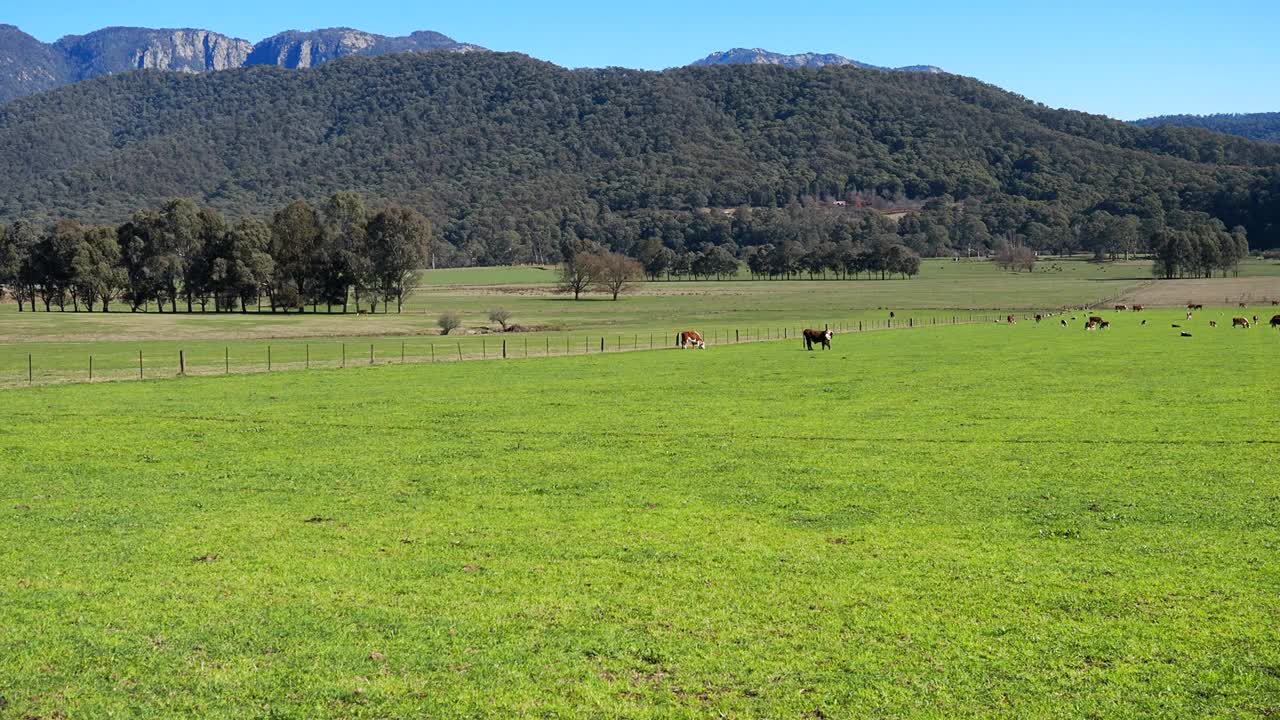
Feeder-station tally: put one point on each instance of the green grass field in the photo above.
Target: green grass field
(60, 344)
(972, 521)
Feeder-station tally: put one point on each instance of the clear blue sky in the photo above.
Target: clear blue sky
(1123, 58)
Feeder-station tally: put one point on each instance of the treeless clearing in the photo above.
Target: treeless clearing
(1214, 291)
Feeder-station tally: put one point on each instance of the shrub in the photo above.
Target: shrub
(449, 321)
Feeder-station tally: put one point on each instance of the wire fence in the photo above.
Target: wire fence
(205, 358)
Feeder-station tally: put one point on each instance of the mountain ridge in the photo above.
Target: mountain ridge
(1264, 126)
(760, 56)
(29, 66)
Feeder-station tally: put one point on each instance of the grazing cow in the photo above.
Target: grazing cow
(1137, 308)
(1104, 325)
(812, 337)
(1039, 318)
(1122, 307)
(1175, 325)
(1010, 319)
(1091, 325)
(1144, 322)
(1191, 306)
(691, 338)
(1244, 305)
(1096, 320)
(1240, 322)
(1184, 333)
(1064, 322)
(1275, 321)
(1188, 314)
(1255, 319)
(1275, 303)
(1213, 323)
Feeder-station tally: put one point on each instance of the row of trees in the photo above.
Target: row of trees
(1199, 251)
(342, 251)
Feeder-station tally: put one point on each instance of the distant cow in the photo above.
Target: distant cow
(1104, 325)
(1137, 308)
(1010, 319)
(1192, 306)
(1275, 302)
(1184, 333)
(1091, 325)
(1213, 323)
(1244, 305)
(820, 337)
(1122, 307)
(1096, 320)
(1240, 322)
(1039, 318)
(1064, 323)
(691, 338)
(1275, 321)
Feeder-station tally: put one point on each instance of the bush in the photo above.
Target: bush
(501, 316)
(448, 321)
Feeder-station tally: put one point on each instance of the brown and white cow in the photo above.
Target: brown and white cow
(1275, 321)
(1137, 308)
(1122, 307)
(1240, 322)
(691, 338)
(1011, 319)
(819, 337)
(1095, 319)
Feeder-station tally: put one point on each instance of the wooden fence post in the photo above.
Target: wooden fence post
(308, 360)
(459, 349)
(139, 364)
(268, 358)
(601, 344)
(433, 351)
(31, 371)
(484, 353)
(182, 362)
(344, 354)
(370, 353)
(401, 352)
(504, 348)
(226, 360)
(91, 367)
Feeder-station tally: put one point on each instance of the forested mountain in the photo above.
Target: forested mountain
(756, 56)
(1255, 126)
(28, 66)
(510, 157)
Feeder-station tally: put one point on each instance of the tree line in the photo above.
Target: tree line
(181, 254)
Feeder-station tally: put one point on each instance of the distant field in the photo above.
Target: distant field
(979, 521)
(60, 344)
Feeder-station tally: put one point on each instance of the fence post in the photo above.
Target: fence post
(370, 353)
(308, 357)
(548, 350)
(484, 354)
(911, 322)
(601, 344)
(30, 371)
(504, 349)
(344, 354)
(182, 362)
(526, 347)
(433, 351)
(226, 360)
(650, 341)
(401, 352)
(459, 349)
(737, 337)
(859, 326)
(90, 367)
(139, 364)
(268, 358)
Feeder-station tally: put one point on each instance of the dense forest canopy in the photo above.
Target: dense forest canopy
(513, 159)
(1255, 126)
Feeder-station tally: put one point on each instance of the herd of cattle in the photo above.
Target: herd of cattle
(822, 338)
(1096, 322)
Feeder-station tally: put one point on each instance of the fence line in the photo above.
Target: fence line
(185, 363)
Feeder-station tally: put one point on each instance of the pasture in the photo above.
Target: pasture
(971, 521)
(60, 344)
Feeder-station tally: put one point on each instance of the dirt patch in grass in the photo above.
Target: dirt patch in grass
(1253, 291)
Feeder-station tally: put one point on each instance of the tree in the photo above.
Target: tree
(577, 273)
(448, 322)
(397, 240)
(53, 262)
(295, 231)
(346, 264)
(500, 316)
(18, 268)
(615, 273)
(249, 265)
(98, 272)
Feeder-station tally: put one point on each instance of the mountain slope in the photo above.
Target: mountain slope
(757, 56)
(1255, 126)
(29, 66)
(489, 143)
